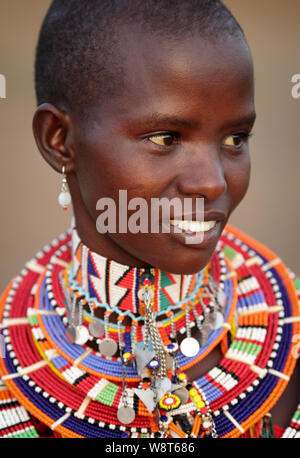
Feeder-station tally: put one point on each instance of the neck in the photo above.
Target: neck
(107, 281)
(86, 229)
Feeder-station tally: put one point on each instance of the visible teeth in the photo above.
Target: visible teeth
(193, 226)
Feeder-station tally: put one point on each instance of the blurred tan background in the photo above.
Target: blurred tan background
(30, 215)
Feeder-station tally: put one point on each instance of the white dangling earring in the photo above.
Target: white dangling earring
(64, 198)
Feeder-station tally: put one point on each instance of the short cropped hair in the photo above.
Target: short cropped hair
(78, 59)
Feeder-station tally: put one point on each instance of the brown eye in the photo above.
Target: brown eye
(236, 140)
(164, 139)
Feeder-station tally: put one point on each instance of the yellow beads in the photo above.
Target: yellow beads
(193, 392)
(200, 404)
(181, 376)
(196, 398)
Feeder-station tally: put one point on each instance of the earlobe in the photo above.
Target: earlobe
(51, 129)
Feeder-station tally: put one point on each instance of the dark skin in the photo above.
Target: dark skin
(202, 96)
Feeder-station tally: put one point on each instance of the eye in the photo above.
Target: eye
(236, 140)
(167, 139)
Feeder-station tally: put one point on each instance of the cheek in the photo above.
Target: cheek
(102, 172)
(238, 178)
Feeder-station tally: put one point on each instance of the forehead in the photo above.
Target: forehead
(183, 73)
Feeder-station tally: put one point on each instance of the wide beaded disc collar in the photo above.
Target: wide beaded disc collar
(77, 391)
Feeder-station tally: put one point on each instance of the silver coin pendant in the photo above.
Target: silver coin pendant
(82, 335)
(96, 328)
(108, 347)
(183, 394)
(217, 320)
(126, 415)
(189, 347)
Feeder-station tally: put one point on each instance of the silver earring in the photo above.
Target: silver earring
(64, 198)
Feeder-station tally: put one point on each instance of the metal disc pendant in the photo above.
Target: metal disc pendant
(203, 338)
(96, 328)
(183, 394)
(82, 335)
(206, 333)
(108, 347)
(189, 347)
(217, 320)
(71, 334)
(169, 361)
(221, 298)
(126, 415)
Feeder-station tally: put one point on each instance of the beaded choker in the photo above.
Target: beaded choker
(81, 392)
(115, 287)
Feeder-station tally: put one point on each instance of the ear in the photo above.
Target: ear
(52, 131)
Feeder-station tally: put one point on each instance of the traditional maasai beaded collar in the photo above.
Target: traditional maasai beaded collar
(181, 298)
(115, 286)
(71, 388)
(189, 313)
(293, 430)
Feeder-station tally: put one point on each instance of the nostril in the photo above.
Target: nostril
(202, 184)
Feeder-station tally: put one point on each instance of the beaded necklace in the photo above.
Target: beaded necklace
(77, 391)
(191, 310)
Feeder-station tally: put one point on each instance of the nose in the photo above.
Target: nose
(202, 174)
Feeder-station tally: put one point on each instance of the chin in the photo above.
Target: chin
(188, 261)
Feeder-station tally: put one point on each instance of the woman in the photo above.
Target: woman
(119, 330)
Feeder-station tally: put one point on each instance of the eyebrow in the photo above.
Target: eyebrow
(156, 119)
(249, 119)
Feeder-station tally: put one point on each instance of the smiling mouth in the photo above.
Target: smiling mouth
(199, 234)
(193, 226)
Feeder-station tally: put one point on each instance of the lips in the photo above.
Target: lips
(197, 239)
(211, 215)
(198, 230)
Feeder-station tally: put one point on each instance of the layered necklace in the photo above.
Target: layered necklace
(98, 349)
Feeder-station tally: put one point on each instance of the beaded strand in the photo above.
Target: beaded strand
(78, 400)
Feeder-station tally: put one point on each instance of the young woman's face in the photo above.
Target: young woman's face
(178, 129)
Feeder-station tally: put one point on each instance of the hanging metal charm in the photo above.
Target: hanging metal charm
(107, 346)
(189, 346)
